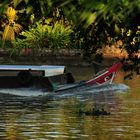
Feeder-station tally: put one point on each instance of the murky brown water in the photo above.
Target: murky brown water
(60, 118)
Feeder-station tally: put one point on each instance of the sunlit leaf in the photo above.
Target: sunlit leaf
(11, 13)
(99, 6)
(29, 9)
(16, 2)
(26, 1)
(91, 19)
(65, 3)
(117, 29)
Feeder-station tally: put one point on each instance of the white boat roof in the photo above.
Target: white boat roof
(50, 70)
(30, 67)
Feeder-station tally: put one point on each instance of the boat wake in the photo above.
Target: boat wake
(24, 92)
(34, 92)
(119, 88)
(91, 91)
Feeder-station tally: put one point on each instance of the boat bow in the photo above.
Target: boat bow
(105, 76)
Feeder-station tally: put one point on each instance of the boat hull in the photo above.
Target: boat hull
(102, 78)
(18, 82)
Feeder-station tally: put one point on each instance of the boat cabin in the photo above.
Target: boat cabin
(13, 76)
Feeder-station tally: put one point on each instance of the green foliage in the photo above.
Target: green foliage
(45, 33)
(96, 23)
(59, 36)
(3, 5)
(99, 23)
(32, 38)
(0, 41)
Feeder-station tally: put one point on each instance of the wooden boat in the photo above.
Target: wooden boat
(103, 77)
(52, 78)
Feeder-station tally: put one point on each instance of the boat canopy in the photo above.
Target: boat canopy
(49, 70)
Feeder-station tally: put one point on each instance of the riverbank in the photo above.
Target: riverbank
(44, 56)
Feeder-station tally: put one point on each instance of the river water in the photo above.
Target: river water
(63, 117)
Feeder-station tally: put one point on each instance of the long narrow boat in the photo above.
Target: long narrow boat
(103, 77)
(53, 79)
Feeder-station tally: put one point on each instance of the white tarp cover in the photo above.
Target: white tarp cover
(50, 70)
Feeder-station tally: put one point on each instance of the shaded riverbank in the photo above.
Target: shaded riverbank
(44, 56)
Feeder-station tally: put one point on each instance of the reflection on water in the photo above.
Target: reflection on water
(54, 119)
(58, 117)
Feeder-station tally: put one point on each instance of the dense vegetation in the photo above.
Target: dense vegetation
(82, 24)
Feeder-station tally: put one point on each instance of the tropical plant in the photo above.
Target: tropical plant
(14, 13)
(58, 35)
(32, 38)
(45, 33)
(10, 28)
